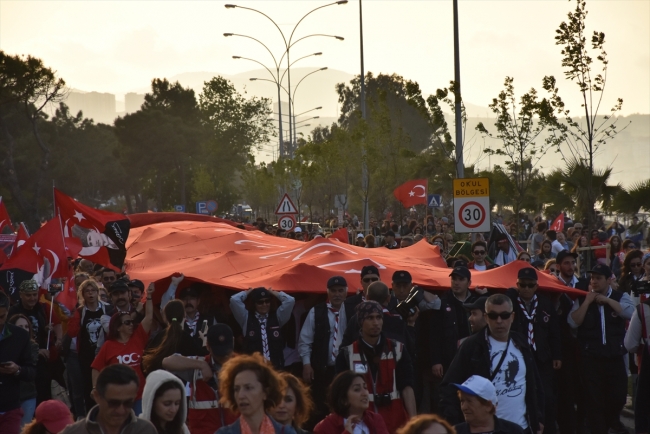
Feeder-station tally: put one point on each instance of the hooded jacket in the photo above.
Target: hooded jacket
(154, 381)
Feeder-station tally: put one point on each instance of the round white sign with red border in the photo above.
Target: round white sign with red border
(472, 214)
(287, 222)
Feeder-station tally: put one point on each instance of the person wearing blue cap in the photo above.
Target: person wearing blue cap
(261, 323)
(599, 318)
(320, 338)
(536, 318)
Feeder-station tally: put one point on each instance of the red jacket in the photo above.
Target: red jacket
(333, 424)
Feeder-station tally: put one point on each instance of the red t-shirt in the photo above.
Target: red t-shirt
(130, 353)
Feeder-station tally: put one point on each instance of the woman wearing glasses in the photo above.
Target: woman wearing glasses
(125, 345)
(261, 322)
(632, 271)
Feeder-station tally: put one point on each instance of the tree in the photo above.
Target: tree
(519, 128)
(581, 142)
(26, 87)
(632, 200)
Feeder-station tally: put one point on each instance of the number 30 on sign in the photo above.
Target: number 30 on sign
(287, 223)
(471, 205)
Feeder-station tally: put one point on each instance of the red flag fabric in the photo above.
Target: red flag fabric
(341, 235)
(558, 223)
(230, 258)
(412, 192)
(21, 237)
(41, 258)
(102, 234)
(5, 220)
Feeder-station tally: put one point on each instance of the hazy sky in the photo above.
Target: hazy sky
(119, 46)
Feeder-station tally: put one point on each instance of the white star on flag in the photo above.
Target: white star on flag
(411, 193)
(78, 215)
(36, 249)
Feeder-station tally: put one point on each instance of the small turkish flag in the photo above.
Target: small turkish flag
(558, 223)
(341, 235)
(412, 192)
(42, 257)
(21, 237)
(102, 234)
(5, 220)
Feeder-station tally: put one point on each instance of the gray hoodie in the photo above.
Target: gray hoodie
(154, 381)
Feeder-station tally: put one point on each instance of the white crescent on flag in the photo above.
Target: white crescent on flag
(423, 190)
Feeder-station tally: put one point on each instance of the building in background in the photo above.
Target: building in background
(132, 102)
(97, 106)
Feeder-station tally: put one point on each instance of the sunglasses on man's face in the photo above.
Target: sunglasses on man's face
(479, 252)
(263, 302)
(370, 279)
(502, 315)
(527, 285)
(116, 403)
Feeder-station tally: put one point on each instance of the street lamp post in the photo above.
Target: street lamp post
(288, 44)
(364, 165)
(460, 166)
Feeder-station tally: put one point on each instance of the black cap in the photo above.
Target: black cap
(220, 339)
(336, 281)
(137, 284)
(601, 269)
(460, 263)
(500, 237)
(563, 254)
(190, 291)
(479, 303)
(369, 269)
(528, 273)
(402, 276)
(259, 294)
(390, 234)
(462, 272)
(118, 286)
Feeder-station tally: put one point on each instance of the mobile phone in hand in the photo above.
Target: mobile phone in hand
(204, 328)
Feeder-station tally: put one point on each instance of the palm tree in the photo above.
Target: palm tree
(633, 199)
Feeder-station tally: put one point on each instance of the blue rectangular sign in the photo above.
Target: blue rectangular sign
(434, 200)
(179, 208)
(202, 207)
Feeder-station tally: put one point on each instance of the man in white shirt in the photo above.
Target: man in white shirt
(556, 246)
(505, 254)
(320, 338)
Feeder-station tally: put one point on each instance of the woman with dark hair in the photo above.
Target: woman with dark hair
(172, 340)
(615, 257)
(348, 400)
(545, 252)
(51, 417)
(427, 424)
(249, 385)
(439, 240)
(631, 272)
(296, 405)
(164, 403)
(125, 346)
(587, 259)
(27, 388)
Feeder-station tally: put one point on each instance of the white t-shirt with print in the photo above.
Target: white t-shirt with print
(510, 382)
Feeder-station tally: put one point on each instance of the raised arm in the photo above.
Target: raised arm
(148, 309)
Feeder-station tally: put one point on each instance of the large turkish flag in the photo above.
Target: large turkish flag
(412, 192)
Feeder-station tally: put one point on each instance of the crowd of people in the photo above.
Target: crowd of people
(362, 355)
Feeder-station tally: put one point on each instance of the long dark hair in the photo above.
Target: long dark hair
(14, 319)
(626, 282)
(176, 425)
(337, 396)
(174, 312)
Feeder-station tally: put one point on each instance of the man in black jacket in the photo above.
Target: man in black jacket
(16, 365)
(535, 318)
(505, 358)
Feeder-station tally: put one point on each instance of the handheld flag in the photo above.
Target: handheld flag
(5, 220)
(558, 223)
(102, 234)
(341, 235)
(42, 257)
(21, 237)
(412, 192)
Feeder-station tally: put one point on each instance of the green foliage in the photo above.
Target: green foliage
(633, 199)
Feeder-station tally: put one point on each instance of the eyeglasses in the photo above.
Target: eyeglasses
(370, 279)
(553, 270)
(263, 301)
(502, 315)
(127, 322)
(527, 285)
(479, 252)
(116, 403)
(635, 264)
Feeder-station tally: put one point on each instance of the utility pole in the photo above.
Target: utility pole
(364, 166)
(460, 167)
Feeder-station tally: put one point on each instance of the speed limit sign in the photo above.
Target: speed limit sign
(287, 222)
(471, 205)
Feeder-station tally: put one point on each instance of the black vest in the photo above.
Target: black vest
(590, 339)
(275, 338)
(320, 348)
